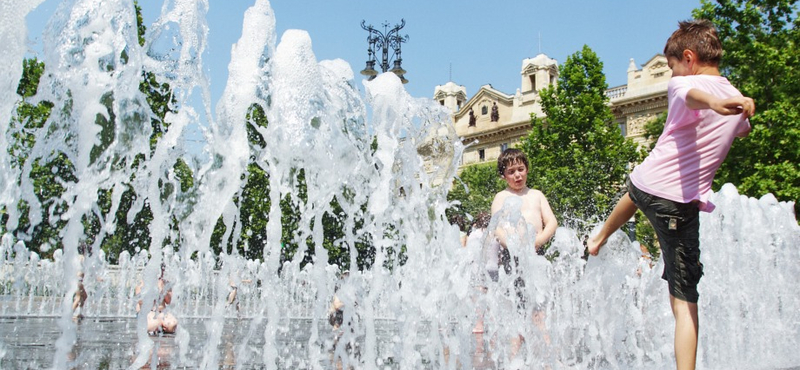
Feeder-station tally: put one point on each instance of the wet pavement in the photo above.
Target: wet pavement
(110, 343)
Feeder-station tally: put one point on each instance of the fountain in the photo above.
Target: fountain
(416, 306)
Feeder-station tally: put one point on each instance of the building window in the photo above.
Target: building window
(441, 102)
(503, 147)
(552, 79)
(533, 82)
(623, 128)
(482, 154)
(659, 74)
(484, 110)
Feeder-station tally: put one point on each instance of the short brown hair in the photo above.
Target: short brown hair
(699, 36)
(509, 157)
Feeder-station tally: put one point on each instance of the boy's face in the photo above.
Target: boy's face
(679, 67)
(516, 174)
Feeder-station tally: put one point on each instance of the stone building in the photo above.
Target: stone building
(491, 120)
(642, 98)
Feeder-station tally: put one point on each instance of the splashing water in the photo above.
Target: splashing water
(363, 152)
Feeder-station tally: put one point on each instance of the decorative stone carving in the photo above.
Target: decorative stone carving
(471, 118)
(636, 123)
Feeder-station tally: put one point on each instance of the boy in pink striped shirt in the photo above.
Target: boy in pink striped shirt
(673, 184)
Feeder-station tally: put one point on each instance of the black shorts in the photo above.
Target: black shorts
(677, 226)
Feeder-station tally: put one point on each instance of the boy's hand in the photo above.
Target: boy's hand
(698, 99)
(738, 105)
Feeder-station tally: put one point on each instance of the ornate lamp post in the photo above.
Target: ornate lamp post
(386, 41)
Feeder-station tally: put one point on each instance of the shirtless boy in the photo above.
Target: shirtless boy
(538, 217)
(513, 168)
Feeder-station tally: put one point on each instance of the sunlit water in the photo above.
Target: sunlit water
(608, 313)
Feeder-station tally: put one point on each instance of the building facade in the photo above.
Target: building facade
(491, 121)
(643, 98)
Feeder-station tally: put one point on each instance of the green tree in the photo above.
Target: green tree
(577, 155)
(129, 236)
(253, 200)
(49, 176)
(646, 234)
(474, 189)
(49, 181)
(653, 129)
(761, 39)
(254, 203)
(29, 117)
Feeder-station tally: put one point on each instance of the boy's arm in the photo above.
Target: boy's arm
(337, 303)
(498, 233)
(497, 203)
(549, 224)
(698, 99)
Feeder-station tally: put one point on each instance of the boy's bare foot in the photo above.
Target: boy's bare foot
(594, 243)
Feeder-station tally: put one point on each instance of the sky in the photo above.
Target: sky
(471, 43)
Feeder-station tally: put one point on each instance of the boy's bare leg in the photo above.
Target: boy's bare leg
(538, 321)
(622, 212)
(686, 329)
(516, 345)
(78, 299)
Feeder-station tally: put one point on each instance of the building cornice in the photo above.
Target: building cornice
(641, 103)
(501, 132)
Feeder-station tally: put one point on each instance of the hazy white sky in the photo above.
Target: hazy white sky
(475, 42)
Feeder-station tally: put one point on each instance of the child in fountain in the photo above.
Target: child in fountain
(512, 166)
(706, 113)
(79, 298)
(159, 321)
(535, 211)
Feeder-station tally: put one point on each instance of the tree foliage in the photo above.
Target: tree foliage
(51, 174)
(474, 190)
(254, 203)
(653, 129)
(30, 116)
(122, 217)
(760, 39)
(133, 214)
(577, 155)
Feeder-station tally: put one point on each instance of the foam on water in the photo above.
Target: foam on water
(608, 312)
